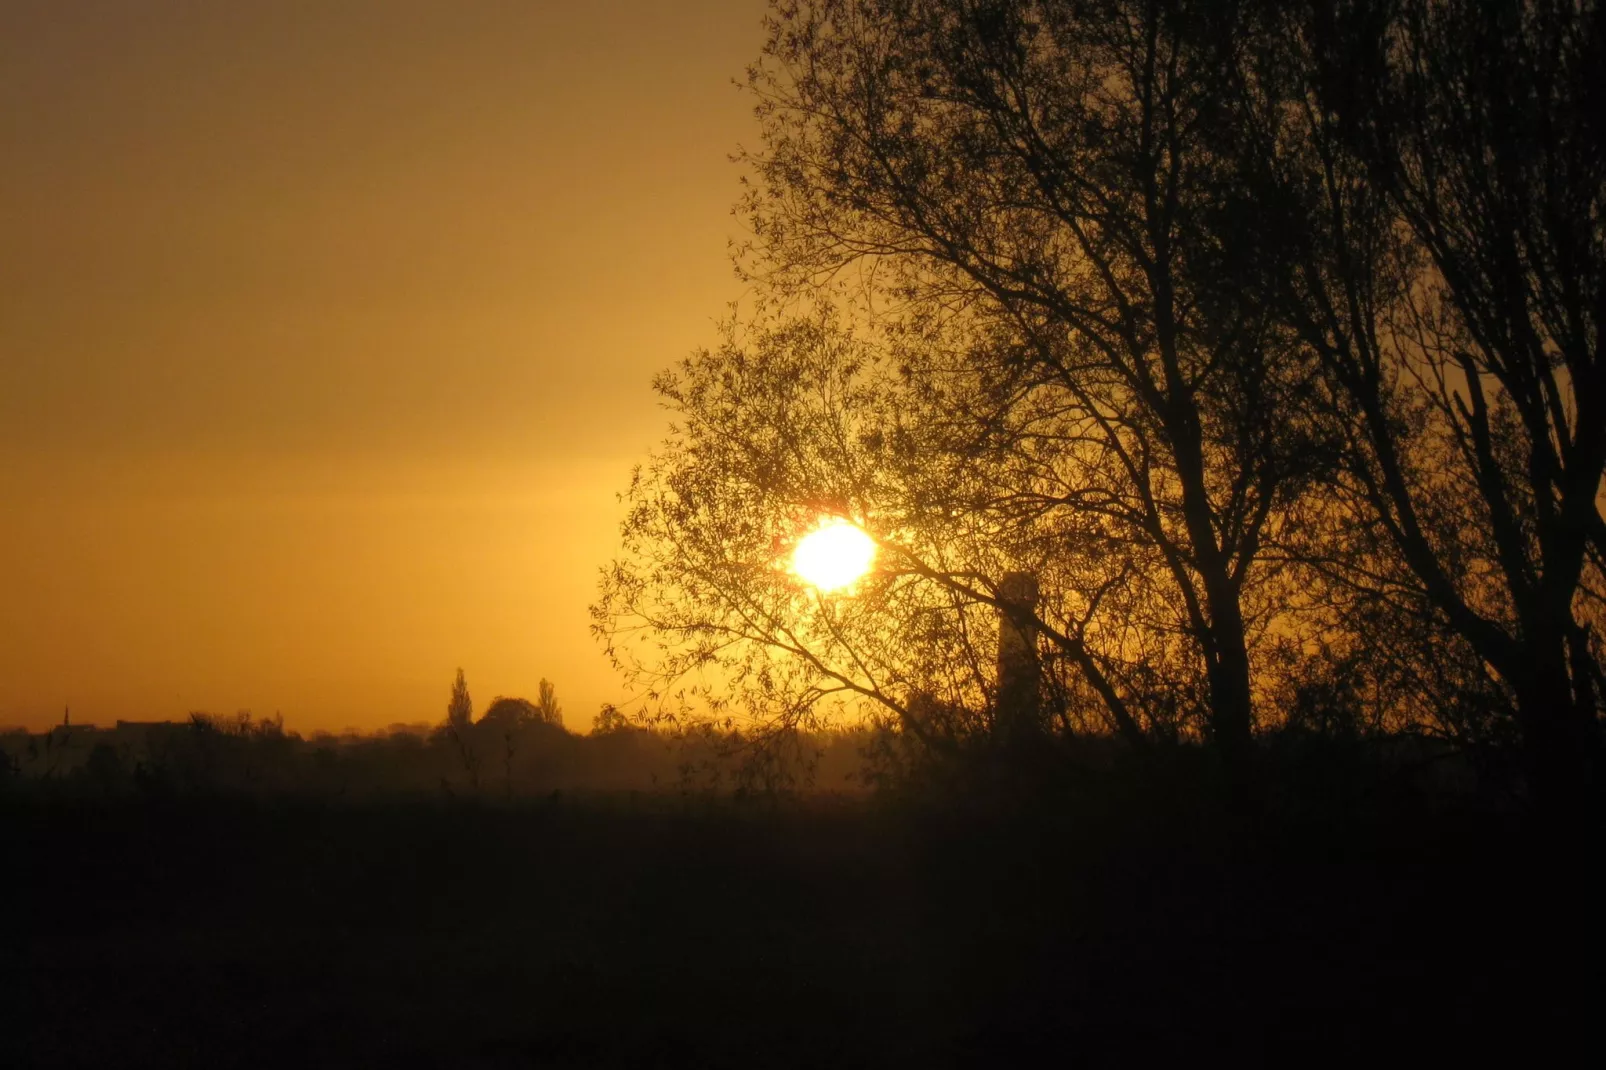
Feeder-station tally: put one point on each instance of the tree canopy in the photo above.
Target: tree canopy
(1263, 337)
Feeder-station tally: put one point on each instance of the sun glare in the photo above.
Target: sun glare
(833, 555)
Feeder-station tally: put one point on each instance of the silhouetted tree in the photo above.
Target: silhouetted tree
(546, 704)
(460, 710)
(1093, 387)
(701, 608)
(509, 713)
(1433, 177)
(504, 722)
(1264, 337)
(459, 721)
(610, 719)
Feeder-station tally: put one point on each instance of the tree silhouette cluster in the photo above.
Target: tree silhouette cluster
(1263, 335)
(516, 748)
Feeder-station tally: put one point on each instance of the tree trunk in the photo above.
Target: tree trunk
(1231, 705)
(1560, 736)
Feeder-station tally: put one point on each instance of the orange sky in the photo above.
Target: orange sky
(326, 330)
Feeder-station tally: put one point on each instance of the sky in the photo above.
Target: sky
(326, 338)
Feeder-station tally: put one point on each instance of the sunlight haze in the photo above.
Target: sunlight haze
(326, 336)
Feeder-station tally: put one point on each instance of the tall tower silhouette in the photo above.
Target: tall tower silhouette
(1018, 668)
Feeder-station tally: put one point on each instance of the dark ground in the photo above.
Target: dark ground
(671, 933)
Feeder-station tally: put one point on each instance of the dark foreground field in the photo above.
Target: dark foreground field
(673, 933)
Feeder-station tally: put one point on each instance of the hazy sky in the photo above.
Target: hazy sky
(326, 331)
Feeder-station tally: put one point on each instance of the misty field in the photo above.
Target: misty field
(1109, 921)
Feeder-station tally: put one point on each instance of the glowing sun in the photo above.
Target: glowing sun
(833, 555)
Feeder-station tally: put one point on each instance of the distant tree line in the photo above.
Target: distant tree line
(516, 748)
(1264, 335)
